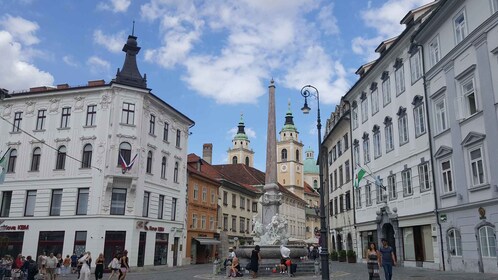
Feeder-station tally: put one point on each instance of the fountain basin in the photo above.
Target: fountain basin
(271, 253)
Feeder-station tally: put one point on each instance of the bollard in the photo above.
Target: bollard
(317, 267)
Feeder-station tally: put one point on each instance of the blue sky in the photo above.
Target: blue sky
(212, 60)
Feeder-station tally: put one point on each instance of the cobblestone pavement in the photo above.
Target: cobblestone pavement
(338, 271)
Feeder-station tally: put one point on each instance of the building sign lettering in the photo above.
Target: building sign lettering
(145, 226)
(18, 227)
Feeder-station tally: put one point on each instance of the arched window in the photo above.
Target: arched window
(86, 161)
(148, 167)
(247, 161)
(12, 161)
(175, 173)
(61, 158)
(454, 242)
(487, 241)
(284, 154)
(163, 168)
(35, 160)
(124, 153)
(234, 160)
(297, 155)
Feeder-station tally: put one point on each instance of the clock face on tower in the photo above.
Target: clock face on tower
(283, 167)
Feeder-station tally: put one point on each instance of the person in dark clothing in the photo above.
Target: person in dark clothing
(388, 260)
(255, 259)
(32, 268)
(99, 267)
(74, 263)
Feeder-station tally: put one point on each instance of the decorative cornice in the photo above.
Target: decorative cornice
(443, 151)
(466, 72)
(385, 75)
(165, 152)
(83, 138)
(153, 147)
(178, 157)
(398, 63)
(119, 135)
(472, 138)
(79, 98)
(36, 141)
(356, 142)
(388, 120)
(57, 140)
(375, 129)
(363, 96)
(401, 111)
(417, 100)
(14, 143)
(365, 136)
(373, 86)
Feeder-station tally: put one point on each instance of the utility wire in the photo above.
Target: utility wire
(43, 142)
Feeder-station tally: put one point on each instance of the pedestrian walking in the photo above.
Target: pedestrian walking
(125, 267)
(66, 265)
(74, 263)
(388, 259)
(32, 268)
(255, 259)
(50, 266)
(99, 267)
(85, 271)
(114, 266)
(373, 262)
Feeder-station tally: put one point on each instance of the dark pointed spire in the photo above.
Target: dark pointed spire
(130, 75)
(241, 133)
(289, 119)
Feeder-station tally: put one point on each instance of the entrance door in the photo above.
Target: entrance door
(175, 251)
(349, 242)
(388, 233)
(50, 242)
(114, 243)
(161, 249)
(339, 242)
(141, 249)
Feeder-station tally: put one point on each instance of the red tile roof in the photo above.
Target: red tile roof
(309, 190)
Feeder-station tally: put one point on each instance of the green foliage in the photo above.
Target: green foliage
(351, 253)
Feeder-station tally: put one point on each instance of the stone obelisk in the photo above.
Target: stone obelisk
(272, 198)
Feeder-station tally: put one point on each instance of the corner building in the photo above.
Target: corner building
(65, 189)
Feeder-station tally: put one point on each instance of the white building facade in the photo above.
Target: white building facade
(66, 190)
(390, 141)
(460, 43)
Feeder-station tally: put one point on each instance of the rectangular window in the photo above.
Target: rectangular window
(29, 208)
(16, 126)
(339, 149)
(377, 144)
(477, 167)
(91, 115)
(160, 207)
(358, 197)
(248, 205)
(225, 198)
(196, 192)
(347, 169)
(346, 142)
(341, 176)
(165, 131)
(242, 224)
(460, 26)
(65, 117)
(336, 205)
(178, 138)
(435, 52)
(364, 110)
(469, 95)
(194, 221)
(399, 80)
(423, 177)
(366, 150)
(330, 157)
(356, 154)
(389, 137)
(381, 197)
(234, 200)
(447, 176)
(335, 179)
(145, 206)
(128, 113)
(234, 223)
(355, 117)
(334, 153)
(203, 222)
(211, 223)
(441, 117)
(204, 194)
(391, 187)
(6, 201)
(213, 197)
(403, 129)
(386, 91)
(406, 178)
(375, 101)
(40, 120)
(152, 124)
(82, 204)
(254, 207)
(348, 200)
(368, 195)
(173, 208)
(242, 202)
(225, 222)
(55, 205)
(419, 118)
(118, 201)
(416, 66)
(332, 181)
(341, 203)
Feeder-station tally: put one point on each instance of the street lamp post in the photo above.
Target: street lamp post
(306, 92)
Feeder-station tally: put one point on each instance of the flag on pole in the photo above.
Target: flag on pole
(360, 172)
(3, 166)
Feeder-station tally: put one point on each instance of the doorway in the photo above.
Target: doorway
(349, 242)
(388, 233)
(114, 243)
(141, 249)
(175, 251)
(339, 242)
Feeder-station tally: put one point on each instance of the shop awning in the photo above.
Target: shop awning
(208, 241)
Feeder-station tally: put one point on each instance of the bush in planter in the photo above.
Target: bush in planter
(342, 255)
(351, 256)
(334, 256)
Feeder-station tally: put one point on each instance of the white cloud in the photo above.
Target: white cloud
(16, 46)
(251, 133)
(257, 38)
(116, 6)
(98, 65)
(69, 60)
(113, 42)
(385, 20)
(20, 29)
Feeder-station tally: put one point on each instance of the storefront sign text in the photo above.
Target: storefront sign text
(145, 226)
(18, 227)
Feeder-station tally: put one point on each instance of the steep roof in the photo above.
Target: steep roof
(205, 170)
(309, 190)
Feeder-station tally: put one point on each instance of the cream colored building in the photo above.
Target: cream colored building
(240, 152)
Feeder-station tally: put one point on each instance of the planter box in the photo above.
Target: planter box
(351, 259)
(342, 259)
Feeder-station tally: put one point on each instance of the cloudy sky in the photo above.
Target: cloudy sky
(212, 60)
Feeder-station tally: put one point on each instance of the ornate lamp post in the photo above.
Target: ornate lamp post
(306, 92)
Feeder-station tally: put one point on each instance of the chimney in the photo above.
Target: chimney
(207, 152)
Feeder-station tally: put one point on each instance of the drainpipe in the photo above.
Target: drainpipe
(436, 209)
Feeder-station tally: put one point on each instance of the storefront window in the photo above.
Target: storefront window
(80, 242)
(50, 242)
(409, 246)
(11, 243)
(114, 244)
(428, 248)
(161, 249)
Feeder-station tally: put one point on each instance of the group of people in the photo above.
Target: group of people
(52, 266)
(253, 265)
(383, 257)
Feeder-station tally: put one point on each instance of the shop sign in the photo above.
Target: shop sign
(18, 227)
(145, 226)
